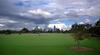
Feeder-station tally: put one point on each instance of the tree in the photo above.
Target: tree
(97, 23)
(74, 27)
(95, 30)
(79, 33)
(8, 31)
(24, 30)
(36, 30)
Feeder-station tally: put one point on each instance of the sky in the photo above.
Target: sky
(17, 14)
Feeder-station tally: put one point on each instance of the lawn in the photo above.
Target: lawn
(44, 44)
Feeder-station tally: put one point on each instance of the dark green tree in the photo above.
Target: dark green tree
(36, 30)
(79, 33)
(24, 30)
(8, 32)
(95, 30)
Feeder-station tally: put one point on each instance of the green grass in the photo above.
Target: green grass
(44, 44)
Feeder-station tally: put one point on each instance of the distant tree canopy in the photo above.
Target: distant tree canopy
(80, 27)
(97, 24)
(5, 31)
(90, 28)
(24, 30)
(80, 30)
(95, 30)
(37, 30)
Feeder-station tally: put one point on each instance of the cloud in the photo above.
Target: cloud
(19, 12)
(5, 20)
(81, 6)
(81, 23)
(40, 12)
(87, 21)
(2, 25)
(60, 26)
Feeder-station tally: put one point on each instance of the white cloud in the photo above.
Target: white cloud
(60, 26)
(81, 22)
(2, 25)
(40, 11)
(80, 7)
(36, 10)
(87, 20)
(7, 21)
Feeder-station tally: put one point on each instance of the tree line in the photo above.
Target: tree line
(85, 31)
(94, 30)
(35, 30)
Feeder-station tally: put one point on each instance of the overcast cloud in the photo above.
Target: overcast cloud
(28, 13)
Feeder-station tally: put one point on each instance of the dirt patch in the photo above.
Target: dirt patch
(82, 49)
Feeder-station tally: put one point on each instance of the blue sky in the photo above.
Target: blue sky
(16, 14)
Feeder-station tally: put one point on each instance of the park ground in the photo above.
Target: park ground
(45, 44)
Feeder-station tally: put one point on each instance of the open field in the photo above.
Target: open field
(44, 44)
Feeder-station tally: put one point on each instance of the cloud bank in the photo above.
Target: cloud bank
(28, 13)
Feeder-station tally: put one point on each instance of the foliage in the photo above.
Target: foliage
(80, 32)
(24, 30)
(95, 30)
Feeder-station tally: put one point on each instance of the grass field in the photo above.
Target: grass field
(44, 44)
